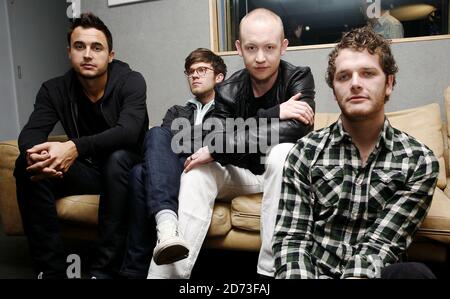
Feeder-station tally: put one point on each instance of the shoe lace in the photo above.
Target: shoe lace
(167, 229)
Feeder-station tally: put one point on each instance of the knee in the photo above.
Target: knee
(119, 162)
(194, 175)
(136, 173)
(420, 270)
(198, 190)
(155, 134)
(21, 162)
(20, 169)
(409, 270)
(118, 156)
(200, 174)
(277, 156)
(155, 138)
(136, 179)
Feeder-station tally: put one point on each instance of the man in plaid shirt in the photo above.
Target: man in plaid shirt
(354, 193)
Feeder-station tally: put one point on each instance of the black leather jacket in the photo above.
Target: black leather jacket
(232, 101)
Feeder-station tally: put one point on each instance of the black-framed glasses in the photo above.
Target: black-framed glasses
(201, 71)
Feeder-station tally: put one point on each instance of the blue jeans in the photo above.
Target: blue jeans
(154, 186)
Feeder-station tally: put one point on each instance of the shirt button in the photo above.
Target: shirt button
(359, 180)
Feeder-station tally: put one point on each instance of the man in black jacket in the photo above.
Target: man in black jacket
(101, 104)
(154, 184)
(271, 98)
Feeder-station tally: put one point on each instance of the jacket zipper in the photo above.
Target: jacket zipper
(74, 113)
(104, 116)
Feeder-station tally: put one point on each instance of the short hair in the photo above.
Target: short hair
(89, 20)
(360, 39)
(207, 56)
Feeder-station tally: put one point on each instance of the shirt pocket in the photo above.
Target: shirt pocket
(383, 185)
(328, 181)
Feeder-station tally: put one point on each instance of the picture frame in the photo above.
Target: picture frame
(122, 2)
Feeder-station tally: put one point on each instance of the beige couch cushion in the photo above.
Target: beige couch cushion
(220, 221)
(322, 120)
(236, 239)
(245, 209)
(423, 123)
(81, 209)
(436, 225)
(245, 212)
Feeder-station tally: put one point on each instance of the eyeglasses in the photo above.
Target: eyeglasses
(201, 71)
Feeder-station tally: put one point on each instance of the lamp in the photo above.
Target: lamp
(412, 12)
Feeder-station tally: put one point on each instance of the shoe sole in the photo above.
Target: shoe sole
(169, 253)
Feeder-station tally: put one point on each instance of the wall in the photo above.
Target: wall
(424, 73)
(9, 120)
(155, 36)
(38, 38)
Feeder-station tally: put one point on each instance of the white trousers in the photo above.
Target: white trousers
(202, 185)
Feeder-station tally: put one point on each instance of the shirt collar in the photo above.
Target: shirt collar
(386, 137)
(338, 134)
(199, 105)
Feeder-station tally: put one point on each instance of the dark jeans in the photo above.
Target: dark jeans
(154, 186)
(407, 271)
(41, 225)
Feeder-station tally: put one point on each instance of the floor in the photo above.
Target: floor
(15, 262)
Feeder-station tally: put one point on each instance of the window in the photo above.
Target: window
(315, 22)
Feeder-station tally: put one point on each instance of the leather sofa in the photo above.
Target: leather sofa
(235, 224)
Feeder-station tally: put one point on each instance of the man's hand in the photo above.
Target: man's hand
(33, 158)
(295, 109)
(47, 173)
(61, 155)
(202, 156)
(41, 167)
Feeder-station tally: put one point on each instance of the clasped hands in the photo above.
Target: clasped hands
(50, 159)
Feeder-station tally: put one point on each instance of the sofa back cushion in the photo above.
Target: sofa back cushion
(423, 123)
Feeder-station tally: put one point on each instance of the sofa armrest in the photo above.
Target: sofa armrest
(9, 209)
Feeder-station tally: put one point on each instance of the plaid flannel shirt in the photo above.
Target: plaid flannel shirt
(338, 218)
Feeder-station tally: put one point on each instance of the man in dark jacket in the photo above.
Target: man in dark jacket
(101, 104)
(270, 97)
(154, 184)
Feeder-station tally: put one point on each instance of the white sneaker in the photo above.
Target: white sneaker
(170, 246)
